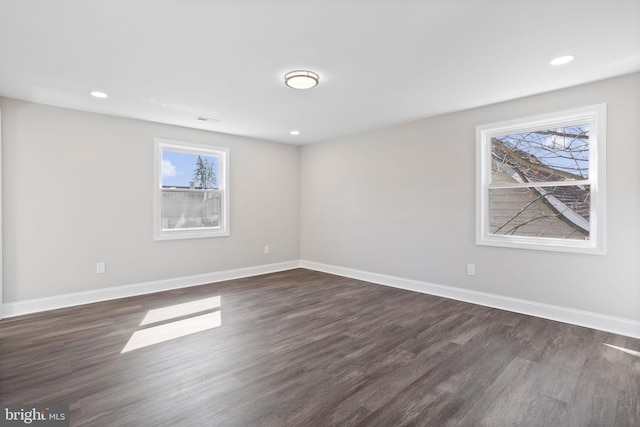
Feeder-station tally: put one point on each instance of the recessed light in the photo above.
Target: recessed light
(301, 79)
(99, 94)
(295, 132)
(561, 60)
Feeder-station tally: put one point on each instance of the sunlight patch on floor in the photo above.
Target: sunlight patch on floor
(173, 330)
(170, 330)
(624, 350)
(179, 310)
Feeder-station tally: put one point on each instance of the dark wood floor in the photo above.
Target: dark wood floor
(302, 348)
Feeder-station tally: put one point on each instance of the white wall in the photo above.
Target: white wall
(400, 201)
(78, 189)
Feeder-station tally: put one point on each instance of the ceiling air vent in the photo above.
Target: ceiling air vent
(208, 119)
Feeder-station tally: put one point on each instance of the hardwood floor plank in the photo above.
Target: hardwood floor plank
(304, 348)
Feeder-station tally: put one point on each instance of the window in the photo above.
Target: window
(191, 190)
(540, 182)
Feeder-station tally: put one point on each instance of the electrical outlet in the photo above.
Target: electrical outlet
(100, 267)
(266, 249)
(471, 269)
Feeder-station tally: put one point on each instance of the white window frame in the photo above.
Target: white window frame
(595, 115)
(223, 183)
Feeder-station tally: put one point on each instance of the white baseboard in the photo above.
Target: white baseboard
(616, 325)
(51, 303)
(588, 319)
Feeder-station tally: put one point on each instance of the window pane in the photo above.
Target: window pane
(190, 209)
(545, 155)
(191, 190)
(555, 212)
(188, 170)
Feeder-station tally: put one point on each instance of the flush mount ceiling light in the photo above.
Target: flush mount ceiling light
(561, 60)
(294, 132)
(301, 79)
(99, 94)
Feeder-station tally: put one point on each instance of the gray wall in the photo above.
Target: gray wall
(78, 188)
(401, 201)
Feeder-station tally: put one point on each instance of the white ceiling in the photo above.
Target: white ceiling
(380, 62)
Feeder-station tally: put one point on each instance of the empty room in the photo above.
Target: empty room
(304, 213)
